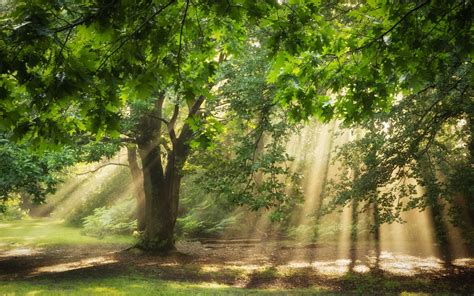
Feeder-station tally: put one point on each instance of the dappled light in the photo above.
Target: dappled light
(19, 252)
(63, 267)
(162, 147)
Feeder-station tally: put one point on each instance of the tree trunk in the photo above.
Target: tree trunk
(159, 197)
(137, 180)
(437, 214)
(376, 229)
(161, 186)
(354, 228)
(162, 198)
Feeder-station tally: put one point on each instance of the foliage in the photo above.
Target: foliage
(249, 164)
(197, 224)
(11, 210)
(201, 214)
(133, 51)
(413, 156)
(36, 173)
(350, 58)
(340, 58)
(28, 172)
(116, 219)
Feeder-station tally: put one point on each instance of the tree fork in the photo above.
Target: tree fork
(162, 184)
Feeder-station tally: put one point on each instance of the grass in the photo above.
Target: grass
(44, 233)
(48, 232)
(192, 278)
(135, 286)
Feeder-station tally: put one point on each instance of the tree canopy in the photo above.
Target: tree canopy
(69, 66)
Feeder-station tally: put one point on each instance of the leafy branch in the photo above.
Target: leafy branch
(393, 26)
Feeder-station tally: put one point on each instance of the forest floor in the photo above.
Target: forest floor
(43, 257)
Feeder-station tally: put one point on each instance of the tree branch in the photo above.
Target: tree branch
(124, 39)
(63, 46)
(180, 40)
(195, 107)
(172, 123)
(100, 167)
(393, 26)
(160, 119)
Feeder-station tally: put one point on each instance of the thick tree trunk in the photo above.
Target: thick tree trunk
(137, 180)
(162, 197)
(161, 186)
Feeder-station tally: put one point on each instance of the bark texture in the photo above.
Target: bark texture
(162, 172)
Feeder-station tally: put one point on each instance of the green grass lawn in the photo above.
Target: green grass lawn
(135, 285)
(49, 232)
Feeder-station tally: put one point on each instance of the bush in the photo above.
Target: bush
(305, 233)
(11, 210)
(111, 220)
(202, 214)
(194, 224)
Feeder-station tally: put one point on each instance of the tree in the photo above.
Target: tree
(87, 59)
(33, 174)
(419, 155)
(29, 174)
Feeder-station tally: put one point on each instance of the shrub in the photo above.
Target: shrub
(11, 210)
(116, 219)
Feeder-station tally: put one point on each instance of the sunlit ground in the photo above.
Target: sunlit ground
(38, 257)
(34, 233)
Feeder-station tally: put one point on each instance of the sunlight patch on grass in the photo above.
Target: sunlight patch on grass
(89, 262)
(33, 293)
(20, 252)
(135, 286)
(48, 232)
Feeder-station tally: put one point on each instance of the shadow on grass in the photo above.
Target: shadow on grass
(123, 269)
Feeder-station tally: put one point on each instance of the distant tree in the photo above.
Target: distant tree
(33, 173)
(419, 155)
(27, 173)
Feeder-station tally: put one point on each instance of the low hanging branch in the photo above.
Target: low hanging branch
(100, 167)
